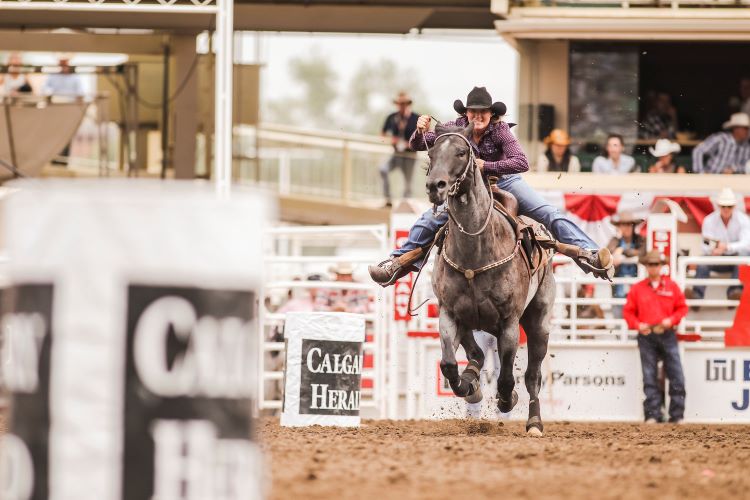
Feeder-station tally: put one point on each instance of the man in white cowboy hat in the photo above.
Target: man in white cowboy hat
(664, 151)
(726, 231)
(399, 125)
(727, 151)
(344, 300)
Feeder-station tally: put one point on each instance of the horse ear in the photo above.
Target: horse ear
(466, 132)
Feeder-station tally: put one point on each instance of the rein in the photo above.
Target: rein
(469, 274)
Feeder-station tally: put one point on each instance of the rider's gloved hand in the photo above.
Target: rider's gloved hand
(423, 123)
(480, 164)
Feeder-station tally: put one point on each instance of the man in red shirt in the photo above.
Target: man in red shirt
(654, 307)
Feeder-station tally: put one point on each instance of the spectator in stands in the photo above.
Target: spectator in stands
(664, 151)
(557, 157)
(741, 103)
(727, 151)
(345, 300)
(307, 301)
(726, 231)
(660, 121)
(654, 307)
(399, 125)
(627, 246)
(65, 83)
(15, 82)
(613, 161)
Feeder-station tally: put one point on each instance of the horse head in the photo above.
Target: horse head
(451, 161)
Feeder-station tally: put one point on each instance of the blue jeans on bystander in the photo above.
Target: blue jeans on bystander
(663, 347)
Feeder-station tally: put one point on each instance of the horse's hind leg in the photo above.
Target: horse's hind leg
(536, 321)
(450, 336)
(507, 344)
(476, 361)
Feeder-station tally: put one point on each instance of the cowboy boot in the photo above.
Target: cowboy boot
(390, 270)
(599, 263)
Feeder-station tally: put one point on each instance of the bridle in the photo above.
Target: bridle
(453, 189)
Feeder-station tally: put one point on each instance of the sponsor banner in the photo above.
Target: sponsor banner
(150, 365)
(578, 383)
(717, 384)
(323, 369)
(189, 383)
(26, 338)
(662, 232)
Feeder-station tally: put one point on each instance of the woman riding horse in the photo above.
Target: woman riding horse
(498, 154)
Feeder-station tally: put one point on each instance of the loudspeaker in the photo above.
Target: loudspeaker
(546, 117)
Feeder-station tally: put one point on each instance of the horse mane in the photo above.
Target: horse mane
(447, 129)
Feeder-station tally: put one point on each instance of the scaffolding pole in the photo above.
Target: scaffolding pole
(223, 97)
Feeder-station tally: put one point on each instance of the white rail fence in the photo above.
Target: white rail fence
(707, 317)
(294, 252)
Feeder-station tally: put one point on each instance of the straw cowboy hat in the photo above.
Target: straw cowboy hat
(402, 98)
(343, 268)
(664, 147)
(653, 257)
(559, 137)
(479, 98)
(737, 120)
(625, 217)
(726, 198)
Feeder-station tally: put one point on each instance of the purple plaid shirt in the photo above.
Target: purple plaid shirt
(501, 152)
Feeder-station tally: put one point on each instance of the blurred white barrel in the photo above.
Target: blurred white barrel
(130, 341)
(323, 369)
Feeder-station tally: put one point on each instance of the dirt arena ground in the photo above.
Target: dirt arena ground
(460, 459)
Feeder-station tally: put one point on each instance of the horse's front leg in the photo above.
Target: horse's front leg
(450, 337)
(475, 355)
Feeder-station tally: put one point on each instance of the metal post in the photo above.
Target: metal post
(223, 97)
(11, 140)
(346, 172)
(165, 115)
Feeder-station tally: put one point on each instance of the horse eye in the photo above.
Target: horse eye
(461, 153)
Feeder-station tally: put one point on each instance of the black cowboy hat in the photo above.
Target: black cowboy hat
(479, 98)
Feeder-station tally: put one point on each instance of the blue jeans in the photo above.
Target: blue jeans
(654, 347)
(704, 272)
(530, 203)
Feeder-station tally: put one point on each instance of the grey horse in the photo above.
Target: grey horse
(481, 281)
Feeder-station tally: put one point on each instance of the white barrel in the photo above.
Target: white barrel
(130, 341)
(323, 370)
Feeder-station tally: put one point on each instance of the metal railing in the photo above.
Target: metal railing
(708, 317)
(711, 329)
(297, 161)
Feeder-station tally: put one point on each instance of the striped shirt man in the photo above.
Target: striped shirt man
(724, 153)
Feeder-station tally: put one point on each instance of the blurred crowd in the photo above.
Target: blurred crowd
(16, 80)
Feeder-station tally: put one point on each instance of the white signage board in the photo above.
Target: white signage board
(323, 370)
(717, 384)
(133, 304)
(579, 382)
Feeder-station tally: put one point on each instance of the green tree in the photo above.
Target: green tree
(371, 90)
(318, 81)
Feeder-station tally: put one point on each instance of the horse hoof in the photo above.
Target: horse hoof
(534, 427)
(534, 432)
(507, 406)
(474, 398)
